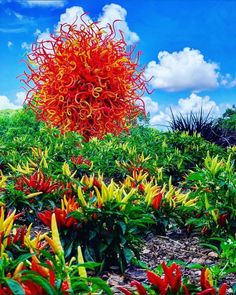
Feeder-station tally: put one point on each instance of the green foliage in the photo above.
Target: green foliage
(215, 187)
(175, 152)
(151, 180)
(228, 119)
(111, 235)
(220, 132)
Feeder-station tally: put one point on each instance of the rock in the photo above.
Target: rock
(197, 273)
(115, 280)
(198, 260)
(213, 254)
(146, 251)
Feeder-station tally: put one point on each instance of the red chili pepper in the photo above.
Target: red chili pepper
(222, 219)
(185, 289)
(96, 183)
(45, 217)
(5, 290)
(141, 187)
(32, 288)
(9, 240)
(157, 201)
(205, 231)
(23, 233)
(140, 288)
(204, 281)
(65, 287)
(209, 291)
(16, 236)
(157, 281)
(37, 181)
(133, 184)
(223, 289)
(124, 290)
(173, 276)
(39, 269)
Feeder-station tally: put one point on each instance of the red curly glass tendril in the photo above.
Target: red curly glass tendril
(86, 81)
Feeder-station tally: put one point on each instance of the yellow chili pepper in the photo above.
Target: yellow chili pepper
(55, 242)
(81, 269)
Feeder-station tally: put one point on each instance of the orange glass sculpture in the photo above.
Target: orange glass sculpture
(83, 79)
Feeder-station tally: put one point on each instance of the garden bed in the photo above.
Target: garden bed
(174, 246)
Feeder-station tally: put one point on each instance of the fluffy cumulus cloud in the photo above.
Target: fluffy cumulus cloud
(186, 69)
(160, 120)
(110, 13)
(151, 106)
(43, 36)
(31, 3)
(20, 98)
(6, 103)
(195, 103)
(72, 15)
(184, 106)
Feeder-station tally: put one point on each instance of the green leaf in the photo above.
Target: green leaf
(195, 176)
(137, 262)
(179, 262)
(234, 288)
(230, 270)
(100, 283)
(90, 265)
(89, 254)
(21, 258)
(214, 248)
(128, 254)
(194, 265)
(15, 287)
(122, 226)
(92, 234)
(69, 249)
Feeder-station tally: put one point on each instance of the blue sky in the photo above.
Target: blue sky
(188, 47)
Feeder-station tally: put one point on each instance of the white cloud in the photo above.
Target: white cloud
(232, 83)
(45, 3)
(151, 106)
(9, 44)
(72, 16)
(25, 46)
(110, 13)
(20, 98)
(5, 102)
(182, 70)
(192, 103)
(43, 36)
(18, 15)
(195, 103)
(159, 119)
(228, 81)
